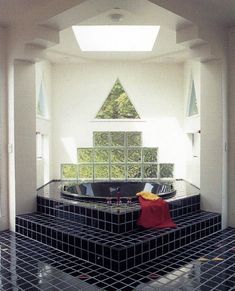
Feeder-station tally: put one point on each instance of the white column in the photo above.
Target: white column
(231, 128)
(3, 133)
(25, 136)
(213, 138)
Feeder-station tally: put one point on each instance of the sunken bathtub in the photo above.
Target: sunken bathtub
(114, 191)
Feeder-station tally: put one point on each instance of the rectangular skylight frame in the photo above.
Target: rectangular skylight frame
(116, 38)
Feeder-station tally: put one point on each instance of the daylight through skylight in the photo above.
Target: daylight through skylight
(116, 38)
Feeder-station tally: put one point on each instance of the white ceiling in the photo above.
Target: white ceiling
(51, 12)
(212, 12)
(69, 49)
(143, 13)
(215, 11)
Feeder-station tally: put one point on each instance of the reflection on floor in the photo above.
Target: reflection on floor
(207, 264)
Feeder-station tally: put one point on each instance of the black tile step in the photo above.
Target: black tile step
(113, 218)
(116, 219)
(116, 251)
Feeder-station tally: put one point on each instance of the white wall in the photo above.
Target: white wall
(192, 70)
(212, 144)
(43, 125)
(156, 90)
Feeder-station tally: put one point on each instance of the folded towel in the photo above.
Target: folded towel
(154, 214)
(148, 195)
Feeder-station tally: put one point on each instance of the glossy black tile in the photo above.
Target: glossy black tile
(116, 250)
(113, 218)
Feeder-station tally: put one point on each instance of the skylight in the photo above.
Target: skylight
(116, 38)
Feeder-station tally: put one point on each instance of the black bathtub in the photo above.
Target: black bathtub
(114, 191)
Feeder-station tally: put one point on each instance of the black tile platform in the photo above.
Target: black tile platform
(107, 235)
(117, 219)
(207, 264)
(117, 252)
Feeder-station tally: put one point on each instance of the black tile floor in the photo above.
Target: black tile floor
(207, 264)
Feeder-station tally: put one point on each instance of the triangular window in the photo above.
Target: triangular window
(192, 109)
(117, 105)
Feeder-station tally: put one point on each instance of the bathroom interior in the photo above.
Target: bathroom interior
(101, 125)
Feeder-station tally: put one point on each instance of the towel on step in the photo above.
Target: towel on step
(154, 214)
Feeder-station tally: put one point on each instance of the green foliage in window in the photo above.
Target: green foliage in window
(117, 105)
(134, 171)
(166, 170)
(69, 172)
(118, 172)
(101, 155)
(133, 155)
(85, 155)
(117, 138)
(134, 139)
(101, 171)
(150, 171)
(85, 172)
(117, 155)
(150, 155)
(101, 138)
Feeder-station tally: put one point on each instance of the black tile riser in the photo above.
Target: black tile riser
(112, 257)
(113, 222)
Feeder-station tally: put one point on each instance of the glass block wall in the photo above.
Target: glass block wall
(116, 155)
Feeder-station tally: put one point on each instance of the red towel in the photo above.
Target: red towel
(154, 214)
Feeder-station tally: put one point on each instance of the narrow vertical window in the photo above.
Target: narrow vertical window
(192, 108)
(39, 145)
(196, 145)
(41, 102)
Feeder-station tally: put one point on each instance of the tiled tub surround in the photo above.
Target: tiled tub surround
(207, 264)
(117, 219)
(65, 226)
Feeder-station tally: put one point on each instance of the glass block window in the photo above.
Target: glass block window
(134, 139)
(117, 105)
(101, 172)
(166, 170)
(69, 172)
(101, 138)
(150, 155)
(118, 172)
(117, 155)
(117, 139)
(134, 171)
(85, 155)
(85, 172)
(134, 155)
(101, 155)
(150, 171)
